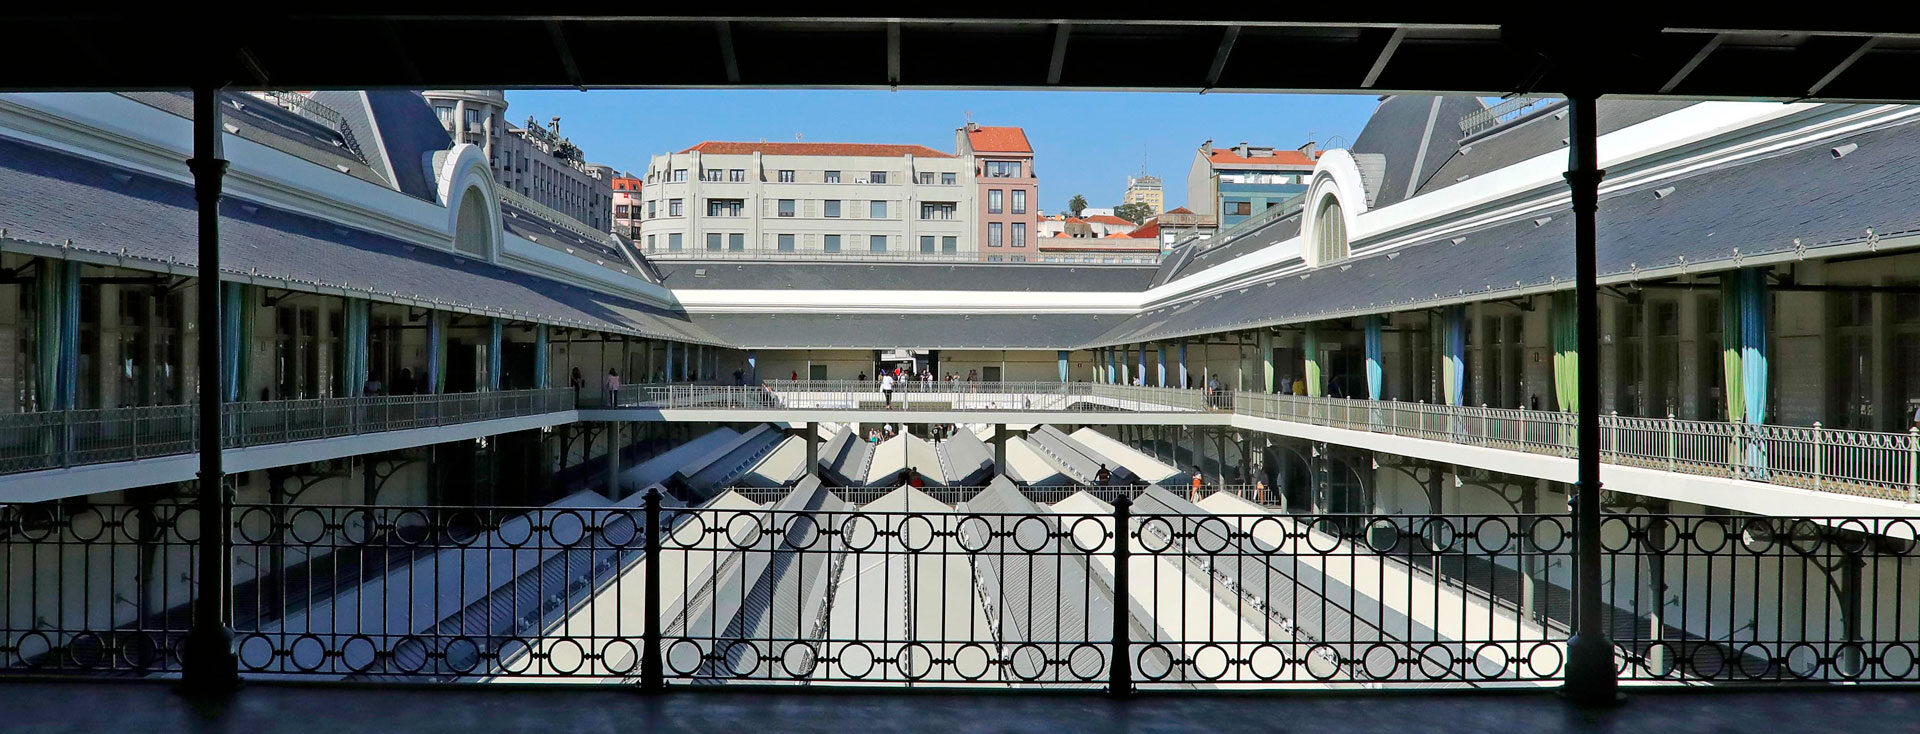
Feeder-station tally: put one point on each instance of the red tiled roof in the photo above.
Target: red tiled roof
(1279, 158)
(873, 150)
(1150, 229)
(999, 140)
(1108, 219)
(1180, 210)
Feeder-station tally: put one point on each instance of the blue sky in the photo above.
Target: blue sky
(1084, 142)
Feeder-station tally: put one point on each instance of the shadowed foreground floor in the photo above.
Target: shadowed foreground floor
(151, 708)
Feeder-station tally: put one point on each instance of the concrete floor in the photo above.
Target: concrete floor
(148, 708)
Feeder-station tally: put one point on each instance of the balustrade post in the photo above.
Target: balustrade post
(1120, 672)
(1486, 425)
(1673, 443)
(653, 675)
(1613, 431)
(1913, 463)
(1818, 455)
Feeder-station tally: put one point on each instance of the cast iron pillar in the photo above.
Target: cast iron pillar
(208, 663)
(1591, 677)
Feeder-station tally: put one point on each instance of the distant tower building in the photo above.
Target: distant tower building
(1145, 189)
(533, 161)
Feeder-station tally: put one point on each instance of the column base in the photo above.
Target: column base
(1591, 679)
(209, 667)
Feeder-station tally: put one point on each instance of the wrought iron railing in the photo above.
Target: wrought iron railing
(859, 255)
(54, 439)
(1215, 595)
(1066, 397)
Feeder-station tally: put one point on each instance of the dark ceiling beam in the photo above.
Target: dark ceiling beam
(558, 32)
(893, 53)
(1841, 68)
(1386, 55)
(1058, 63)
(1228, 36)
(728, 58)
(1706, 49)
(401, 55)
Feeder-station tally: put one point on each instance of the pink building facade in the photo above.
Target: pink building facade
(1008, 195)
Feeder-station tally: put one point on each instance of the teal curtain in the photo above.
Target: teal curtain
(235, 319)
(540, 349)
(436, 352)
(1062, 356)
(1753, 344)
(1376, 374)
(354, 362)
(496, 335)
(51, 334)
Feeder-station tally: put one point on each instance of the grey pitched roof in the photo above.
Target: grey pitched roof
(264, 122)
(1539, 132)
(881, 331)
(560, 239)
(1415, 135)
(51, 197)
(1710, 221)
(410, 133)
(728, 274)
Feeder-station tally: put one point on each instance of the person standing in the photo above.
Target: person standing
(1194, 494)
(1103, 477)
(613, 387)
(886, 388)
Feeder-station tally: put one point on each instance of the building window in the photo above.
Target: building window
(993, 234)
(831, 243)
(926, 243)
(877, 243)
(786, 207)
(994, 201)
(879, 210)
(1019, 234)
(833, 208)
(737, 175)
(786, 176)
(737, 242)
(650, 243)
(949, 244)
(878, 177)
(949, 178)
(673, 242)
(725, 207)
(1019, 201)
(926, 177)
(1019, 258)
(995, 259)
(673, 208)
(680, 175)
(713, 174)
(1003, 169)
(1240, 208)
(937, 210)
(833, 177)
(785, 243)
(1329, 233)
(713, 241)
(653, 209)
(620, 211)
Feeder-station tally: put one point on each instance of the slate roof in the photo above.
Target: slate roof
(1039, 277)
(1759, 208)
(53, 198)
(921, 331)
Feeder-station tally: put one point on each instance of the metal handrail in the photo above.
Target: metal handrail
(55, 439)
(852, 255)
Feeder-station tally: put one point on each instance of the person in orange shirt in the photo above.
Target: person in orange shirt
(1194, 494)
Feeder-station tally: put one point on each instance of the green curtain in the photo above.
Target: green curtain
(1310, 355)
(51, 333)
(1564, 323)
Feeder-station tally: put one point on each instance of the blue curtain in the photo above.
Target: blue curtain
(1109, 351)
(1375, 374)
(496, 333)
(670, 370)
(234, 318)
(1753, 361)
(355, 342)
(1454, 369)
(1062, 356)
(436, 334)
(1160, 351)
(1184, 380)
(1142, 365)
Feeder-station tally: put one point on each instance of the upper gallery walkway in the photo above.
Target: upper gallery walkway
(1767, 469)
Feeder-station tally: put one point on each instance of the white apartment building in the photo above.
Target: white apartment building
(727, 199)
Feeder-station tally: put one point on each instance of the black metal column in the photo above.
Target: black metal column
(208, 663)
(1591, 678)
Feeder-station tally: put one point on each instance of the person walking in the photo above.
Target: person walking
(613, 387)
(886, 389)
(1193, 495)
(1103, 477)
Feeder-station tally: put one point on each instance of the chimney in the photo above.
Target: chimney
(973, 127)
(1241, 149)
(1311, 149)
(1206, 148)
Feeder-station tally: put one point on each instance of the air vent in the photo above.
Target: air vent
(699, 272)
(1842, 150)
(1542, 222)
(1662, 193)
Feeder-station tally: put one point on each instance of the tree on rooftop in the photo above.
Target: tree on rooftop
(1077, 204)
(1136, 212)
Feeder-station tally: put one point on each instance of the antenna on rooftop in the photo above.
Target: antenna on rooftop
(799, 136)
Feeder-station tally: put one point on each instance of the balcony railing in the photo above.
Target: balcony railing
(1066, 397)
(1215, 596)
(55, 439)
